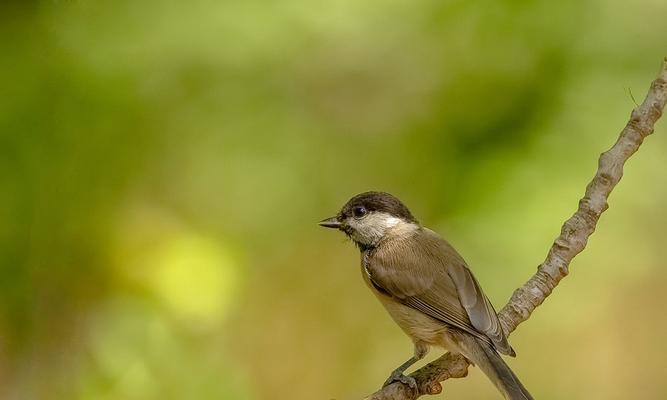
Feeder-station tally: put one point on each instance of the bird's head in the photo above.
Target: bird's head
(370, 217)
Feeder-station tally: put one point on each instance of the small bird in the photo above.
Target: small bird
(426, 287)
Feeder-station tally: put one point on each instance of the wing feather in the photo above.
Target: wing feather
(428, 275)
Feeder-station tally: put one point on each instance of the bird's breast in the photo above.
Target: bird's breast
(417, 325)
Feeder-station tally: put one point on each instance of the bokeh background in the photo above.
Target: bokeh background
(163, 165)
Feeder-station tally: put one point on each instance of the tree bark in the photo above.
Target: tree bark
(571, 241)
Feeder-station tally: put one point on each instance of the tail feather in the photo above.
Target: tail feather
(493, 366)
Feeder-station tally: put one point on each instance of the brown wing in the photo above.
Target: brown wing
(428, 275)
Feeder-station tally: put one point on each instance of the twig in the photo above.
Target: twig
(572, 240)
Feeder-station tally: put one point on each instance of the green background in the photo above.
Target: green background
(163, 165)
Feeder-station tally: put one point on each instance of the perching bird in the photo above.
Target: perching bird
(426, 287)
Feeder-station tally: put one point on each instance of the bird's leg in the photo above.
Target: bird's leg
(421, 349)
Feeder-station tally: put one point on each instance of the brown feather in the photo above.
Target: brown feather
(424, 272)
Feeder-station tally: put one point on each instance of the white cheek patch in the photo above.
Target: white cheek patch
(373, 227)
(380, 220)
(391, 222)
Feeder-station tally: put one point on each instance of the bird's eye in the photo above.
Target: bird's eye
(359, 211)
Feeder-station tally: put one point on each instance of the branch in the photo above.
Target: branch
(572, 240)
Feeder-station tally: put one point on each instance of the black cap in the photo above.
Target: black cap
(379, 202)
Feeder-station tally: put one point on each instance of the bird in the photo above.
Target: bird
(427, 288)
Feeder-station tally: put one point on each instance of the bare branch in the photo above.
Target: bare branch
(572, 240)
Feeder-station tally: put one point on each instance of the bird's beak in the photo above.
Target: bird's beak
(332, 222)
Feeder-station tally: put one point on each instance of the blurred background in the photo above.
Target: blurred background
(163, 165)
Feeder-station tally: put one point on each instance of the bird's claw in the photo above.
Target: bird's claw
(398, 376)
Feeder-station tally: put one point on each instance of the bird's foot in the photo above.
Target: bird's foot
(398, 376)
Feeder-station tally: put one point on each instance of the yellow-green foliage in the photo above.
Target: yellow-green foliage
(163, 165)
